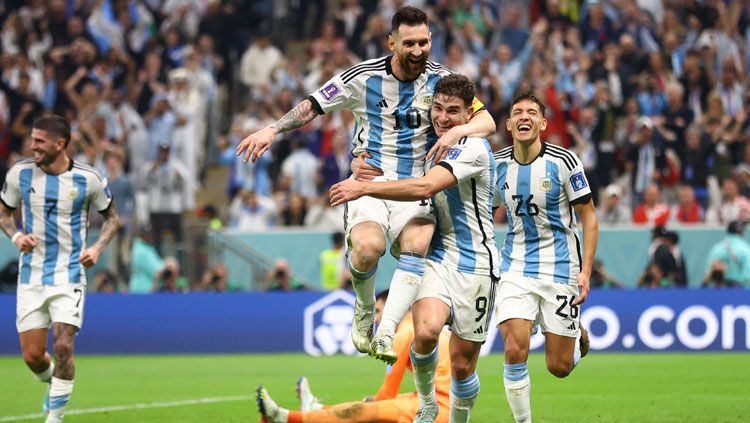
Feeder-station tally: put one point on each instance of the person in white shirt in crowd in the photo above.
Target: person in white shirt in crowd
(252, 212)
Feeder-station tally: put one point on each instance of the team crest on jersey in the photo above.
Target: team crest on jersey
(73, 194)
(453, 153)
(426, 100)
(545, 184)
(330, 91)
(578, 181)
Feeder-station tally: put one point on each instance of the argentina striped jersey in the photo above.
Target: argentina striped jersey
(55, 209)
(392, 116)
(542, 240)
(464, 237)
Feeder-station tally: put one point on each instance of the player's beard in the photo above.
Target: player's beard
(413, 69)
(46, 158)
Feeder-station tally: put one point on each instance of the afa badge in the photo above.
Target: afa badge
(73, 194)
(578, 181)
(545, 184)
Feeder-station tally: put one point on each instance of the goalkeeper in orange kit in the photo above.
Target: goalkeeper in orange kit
(387, 405)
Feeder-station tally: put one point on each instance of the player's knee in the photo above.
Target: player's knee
(33, 355)
(461, 368)
(366, 253)
(559, 368)
(515, 354)
(426, 337)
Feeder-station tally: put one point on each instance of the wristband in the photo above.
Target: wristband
(15, 236)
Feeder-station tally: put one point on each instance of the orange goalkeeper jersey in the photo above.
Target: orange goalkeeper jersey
(395, 374)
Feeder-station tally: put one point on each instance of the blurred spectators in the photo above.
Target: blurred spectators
(280, 278)
(169, 279)
(332, 263)
(687, 211)
(145, 262)
(612, 211)
(602, 279)
(105, 282)
(653, 211)
(215, 279)
(167, 186)
(252, 212)
(728, 261)
(645, 92)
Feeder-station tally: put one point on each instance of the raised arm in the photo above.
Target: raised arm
(436, 180)
(590, 239)
(481, 124)
(254, 145)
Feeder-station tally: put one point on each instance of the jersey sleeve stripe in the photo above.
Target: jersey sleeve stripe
(89, 169)
(566, 153)
(565, 160)
(357, 68)
(373, 68)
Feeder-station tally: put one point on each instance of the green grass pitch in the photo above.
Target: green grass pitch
(606, 387)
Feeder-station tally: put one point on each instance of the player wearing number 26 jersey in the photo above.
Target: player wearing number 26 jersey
(542, 240)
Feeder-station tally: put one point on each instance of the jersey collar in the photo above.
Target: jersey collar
(389, 70)
(541, 153)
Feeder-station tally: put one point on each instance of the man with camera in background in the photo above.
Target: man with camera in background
(728, 261)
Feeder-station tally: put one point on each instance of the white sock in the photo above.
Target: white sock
(403, 290)
(463, 395)
(59, 395)
(518, 390)
(46, 375)
(424, 374)
(364, 286)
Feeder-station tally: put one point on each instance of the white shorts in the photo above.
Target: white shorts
(38, 306)
(392, 216)
(469, 297)
(545, 302)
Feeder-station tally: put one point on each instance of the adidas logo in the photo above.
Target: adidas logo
(479, 330)
(505, 186)
(382, 103)
(572, 326)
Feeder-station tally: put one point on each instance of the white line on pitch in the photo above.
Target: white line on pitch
(141, 406)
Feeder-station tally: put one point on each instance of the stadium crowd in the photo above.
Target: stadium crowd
(652, 95)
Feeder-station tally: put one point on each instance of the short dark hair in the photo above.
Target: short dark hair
(408, 15)
(337, 238)
(456, 85)
(526, 94)
(382, 295)
(54, 125)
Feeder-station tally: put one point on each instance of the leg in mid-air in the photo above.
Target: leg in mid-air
(517, 338)
(414, 241)
(61, 385)
(430, 315)
(367, 245)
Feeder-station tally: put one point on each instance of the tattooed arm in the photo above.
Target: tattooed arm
(254, 145)
(111, 225)
(24, 242)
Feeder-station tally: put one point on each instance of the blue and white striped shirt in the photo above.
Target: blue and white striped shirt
(55, 209)
(464, 237)
(392, 116)
(542, 240)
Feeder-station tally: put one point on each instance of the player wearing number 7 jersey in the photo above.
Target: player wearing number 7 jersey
(542, 274)
(55, 195)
